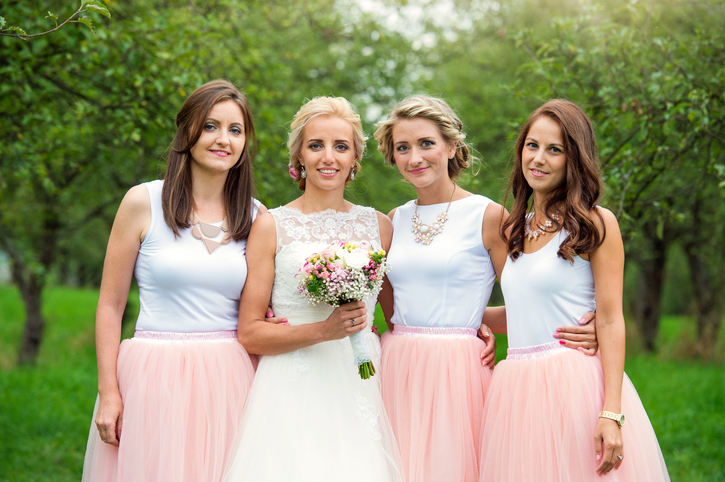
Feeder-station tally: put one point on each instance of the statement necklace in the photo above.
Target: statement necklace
(424, 232)
(205, 231)
(541, 229)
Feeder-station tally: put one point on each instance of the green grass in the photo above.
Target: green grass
(45, 411)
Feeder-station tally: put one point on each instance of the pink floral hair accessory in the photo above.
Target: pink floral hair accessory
(293, 173)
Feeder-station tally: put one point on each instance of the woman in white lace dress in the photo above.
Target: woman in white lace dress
(309, 415)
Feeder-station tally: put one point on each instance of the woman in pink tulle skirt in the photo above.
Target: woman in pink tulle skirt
(170, 399)
(445, 254)
(553, 414)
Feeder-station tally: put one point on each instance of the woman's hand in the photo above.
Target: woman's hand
(346, 320)
(488, 355)
(582, 337)
(109, 418)
(608, 440)
(270, 318)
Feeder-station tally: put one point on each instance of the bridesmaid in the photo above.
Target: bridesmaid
(170, 398)
(553, 414)
(445, 254)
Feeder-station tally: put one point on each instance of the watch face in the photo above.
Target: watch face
(621, 420)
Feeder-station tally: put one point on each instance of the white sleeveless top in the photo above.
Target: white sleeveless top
(543, 292)
(183, 288)
(447, 283)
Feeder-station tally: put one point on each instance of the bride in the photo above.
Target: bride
(309, 415)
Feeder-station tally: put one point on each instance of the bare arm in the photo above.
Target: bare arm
(608, 267)
(263, 338)
(386, 298)
(129, 229)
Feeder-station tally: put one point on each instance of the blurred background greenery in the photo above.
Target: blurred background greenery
(84, 115)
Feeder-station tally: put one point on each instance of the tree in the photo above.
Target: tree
(86, 6)
(84, 118)
(656, 99)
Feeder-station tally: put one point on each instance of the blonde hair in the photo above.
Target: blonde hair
(435, 110)
(324, 107)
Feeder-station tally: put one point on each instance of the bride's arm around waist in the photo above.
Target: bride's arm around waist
(262, 338)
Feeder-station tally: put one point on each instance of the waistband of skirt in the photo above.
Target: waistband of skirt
(402, 330)
(536, 351)
(169, 336)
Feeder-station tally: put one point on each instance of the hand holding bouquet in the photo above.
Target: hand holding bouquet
(342, 273)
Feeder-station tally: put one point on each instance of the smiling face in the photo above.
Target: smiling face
(543, 159)
(421, 153)
(222, 139)
(328, 152)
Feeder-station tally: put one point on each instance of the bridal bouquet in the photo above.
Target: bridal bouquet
(339, 274)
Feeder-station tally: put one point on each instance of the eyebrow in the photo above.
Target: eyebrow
(556, 144)
(337, 140)
(215, 120)
(428, 138)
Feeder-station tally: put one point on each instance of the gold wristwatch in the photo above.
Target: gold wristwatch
(617, 417)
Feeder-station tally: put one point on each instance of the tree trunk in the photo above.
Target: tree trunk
(707, 300)
(34, 324)
(31, 290)
(649, 293)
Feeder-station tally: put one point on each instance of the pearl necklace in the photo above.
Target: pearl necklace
(425, 232)
(541, 229)
(205, 231)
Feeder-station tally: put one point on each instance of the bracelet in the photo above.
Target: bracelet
(617, 417)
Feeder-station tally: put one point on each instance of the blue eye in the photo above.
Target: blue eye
(209, 126)
(556, 150)
(236, 131)
(401, 148)
(428, 143)
(341, 147)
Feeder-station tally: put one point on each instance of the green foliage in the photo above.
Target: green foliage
(651, 78)
(106, 104)
(86, 6)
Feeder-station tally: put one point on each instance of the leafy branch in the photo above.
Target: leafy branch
(86, 6)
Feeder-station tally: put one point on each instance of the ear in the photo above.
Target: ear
(452, 150)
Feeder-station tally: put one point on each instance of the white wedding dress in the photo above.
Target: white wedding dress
(309, 416)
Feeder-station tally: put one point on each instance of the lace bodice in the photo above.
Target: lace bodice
(298, 236)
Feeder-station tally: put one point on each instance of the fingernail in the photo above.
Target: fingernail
(580, 349)
(562, 342)
(558, 330)
(269, 314)
(487, 334)
(582, 320)
(285, 324)
(598, 457)
(556, 335)
(284, 320)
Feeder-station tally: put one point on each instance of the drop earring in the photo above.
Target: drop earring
(303, 174)
(352, 175)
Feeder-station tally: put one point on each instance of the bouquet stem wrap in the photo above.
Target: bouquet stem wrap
(342, 273)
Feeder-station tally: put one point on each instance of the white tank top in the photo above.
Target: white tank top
(183, 288)
(543, 292)
(447, 283)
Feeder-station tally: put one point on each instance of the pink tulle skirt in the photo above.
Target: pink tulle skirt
(433, 389)
(183, 395)
(541, 413)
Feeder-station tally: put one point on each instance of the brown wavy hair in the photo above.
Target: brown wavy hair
(575, 198)
(176, 198)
